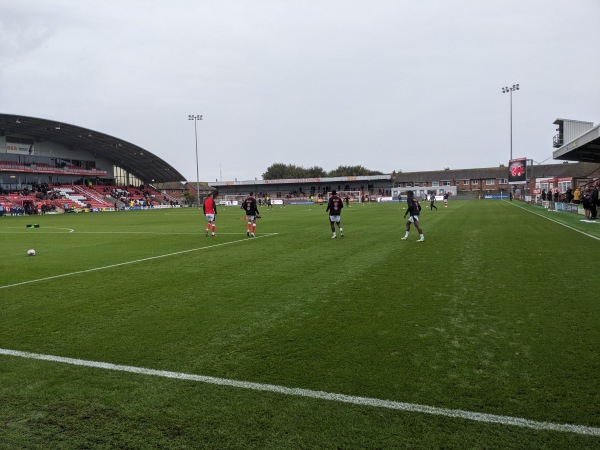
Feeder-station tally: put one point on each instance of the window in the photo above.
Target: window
(502, 181)
(490, 181)
(474, 182)
(19, 140)
(564, 185)
(435, 183)
(446, 183)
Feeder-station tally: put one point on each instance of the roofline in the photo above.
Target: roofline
(302, 180)
(137, 161)
(579, 141)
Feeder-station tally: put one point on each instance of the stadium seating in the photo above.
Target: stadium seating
(79, 197)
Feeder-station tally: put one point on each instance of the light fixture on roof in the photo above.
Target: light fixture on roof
(17, 121)
(57, 127)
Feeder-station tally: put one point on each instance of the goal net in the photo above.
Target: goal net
(232, 200)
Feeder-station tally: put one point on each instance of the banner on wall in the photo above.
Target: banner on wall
(517, 171)
(20, 149)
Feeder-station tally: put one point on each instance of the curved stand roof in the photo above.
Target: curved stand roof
(137, 161)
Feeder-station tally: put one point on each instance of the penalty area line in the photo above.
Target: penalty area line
(112, 266)
(320, 395)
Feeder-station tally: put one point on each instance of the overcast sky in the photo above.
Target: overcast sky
(387, 84)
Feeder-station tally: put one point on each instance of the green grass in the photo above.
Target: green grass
(497, 312)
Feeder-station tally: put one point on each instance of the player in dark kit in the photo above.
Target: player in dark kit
(334, 207)
(249, 205)
(413, 210)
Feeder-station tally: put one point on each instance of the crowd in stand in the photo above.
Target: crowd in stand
(134, 197)
(41, 198)
(587, 196)
(13, 211)
(591, 201)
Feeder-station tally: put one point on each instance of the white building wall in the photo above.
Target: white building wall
(574, 128)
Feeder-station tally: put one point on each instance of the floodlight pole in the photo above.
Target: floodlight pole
(509, 90)
(196, 118)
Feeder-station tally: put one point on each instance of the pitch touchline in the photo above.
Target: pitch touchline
(560, 223)
(53, 277)
(321, 395)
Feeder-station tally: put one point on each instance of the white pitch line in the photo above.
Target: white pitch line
(321, 395)
(560, 223)
(95, 269)
(37, 231)
(154, 233)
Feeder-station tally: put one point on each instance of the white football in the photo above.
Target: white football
(31, 252)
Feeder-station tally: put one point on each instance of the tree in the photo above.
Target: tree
(276, 171)
(188, 199)
(280, 171)
(315, 172)
(352, 171)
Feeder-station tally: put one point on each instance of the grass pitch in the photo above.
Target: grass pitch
(495, 313)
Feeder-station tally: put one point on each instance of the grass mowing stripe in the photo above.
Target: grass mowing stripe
(362, 401)
(493, 314)
(558, 222)
(111, 266)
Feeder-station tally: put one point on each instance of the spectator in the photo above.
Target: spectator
(594, 201)
(569, 196)
(577, 196)
(586, 201)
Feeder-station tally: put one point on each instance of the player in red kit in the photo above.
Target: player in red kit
(210, 212)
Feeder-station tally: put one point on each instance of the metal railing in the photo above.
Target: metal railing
(557, 141)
